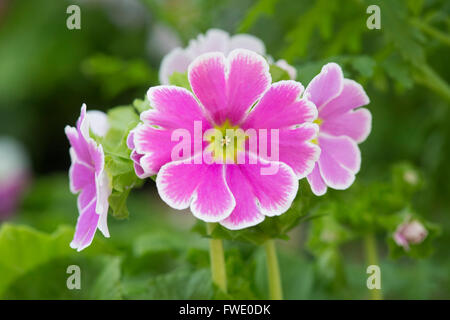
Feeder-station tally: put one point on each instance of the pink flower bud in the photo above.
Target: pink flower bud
(412, 232)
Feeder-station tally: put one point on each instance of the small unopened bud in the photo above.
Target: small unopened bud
(412, 232)
(411, 177)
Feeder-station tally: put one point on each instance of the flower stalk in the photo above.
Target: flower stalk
(273, 271)
(372, 259)
(217, 258)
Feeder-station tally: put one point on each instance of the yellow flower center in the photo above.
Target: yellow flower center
(225, 141)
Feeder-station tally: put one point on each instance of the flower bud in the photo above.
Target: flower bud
(412, 232)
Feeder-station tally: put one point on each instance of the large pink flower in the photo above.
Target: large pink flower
(341, 128)
(233, 92)
(88, 178)
(214, 40)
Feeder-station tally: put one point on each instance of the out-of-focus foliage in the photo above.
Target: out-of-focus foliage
(48, 71)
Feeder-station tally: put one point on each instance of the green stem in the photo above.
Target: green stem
(429, 78)
(433, 32)
(273, 271)
(372, 259)
(217, 257)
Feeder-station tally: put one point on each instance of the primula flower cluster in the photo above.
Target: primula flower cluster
(317, 131)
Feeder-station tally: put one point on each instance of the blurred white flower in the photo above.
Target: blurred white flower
(98, 122)
(14, 174)
(213, 40)
(289, 69)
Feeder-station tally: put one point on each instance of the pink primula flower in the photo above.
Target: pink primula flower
(88, 177)
(235, 92)
(214, 40)
(341, 128)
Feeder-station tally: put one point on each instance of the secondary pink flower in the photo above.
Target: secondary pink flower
(410, 232)
(214, 40)
(229, 92)
(14, 175)
(88, 178)
(341, 128)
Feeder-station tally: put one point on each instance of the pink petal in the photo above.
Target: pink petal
(281, 107)
(342, 149)
(247, 212)
(316, 182)
(274, 191)
(208, 81)
(174, 108)
(86, 227)
(175, 61)
(354, 124)
(228, 96)
(136, 157)
(339, 161)
(80, 176)
(352, 96)
(248, 79)
(297, 150)
(79, 145)
(201, 186)
(325, 86)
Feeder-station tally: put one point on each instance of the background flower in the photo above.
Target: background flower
(15, 175)
(341, 128)
(88, 178)
(410, 232)
(214, 40)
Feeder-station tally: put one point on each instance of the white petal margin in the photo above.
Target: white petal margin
(292, 191)
(192, 200)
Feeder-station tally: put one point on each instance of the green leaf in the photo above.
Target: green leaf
(118, 164)
(118, 204)
(107, 285)
(141, 105)
(260, 8)
(99, 279)
(399, 32)
(23, 250)
(180, 80)
(116, 75)
(177, 285)
(278, 73)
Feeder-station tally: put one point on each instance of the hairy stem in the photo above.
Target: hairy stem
(217, 257)
(273, 271)
(372, 259)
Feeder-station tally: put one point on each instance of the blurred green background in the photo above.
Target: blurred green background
(48, 71)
